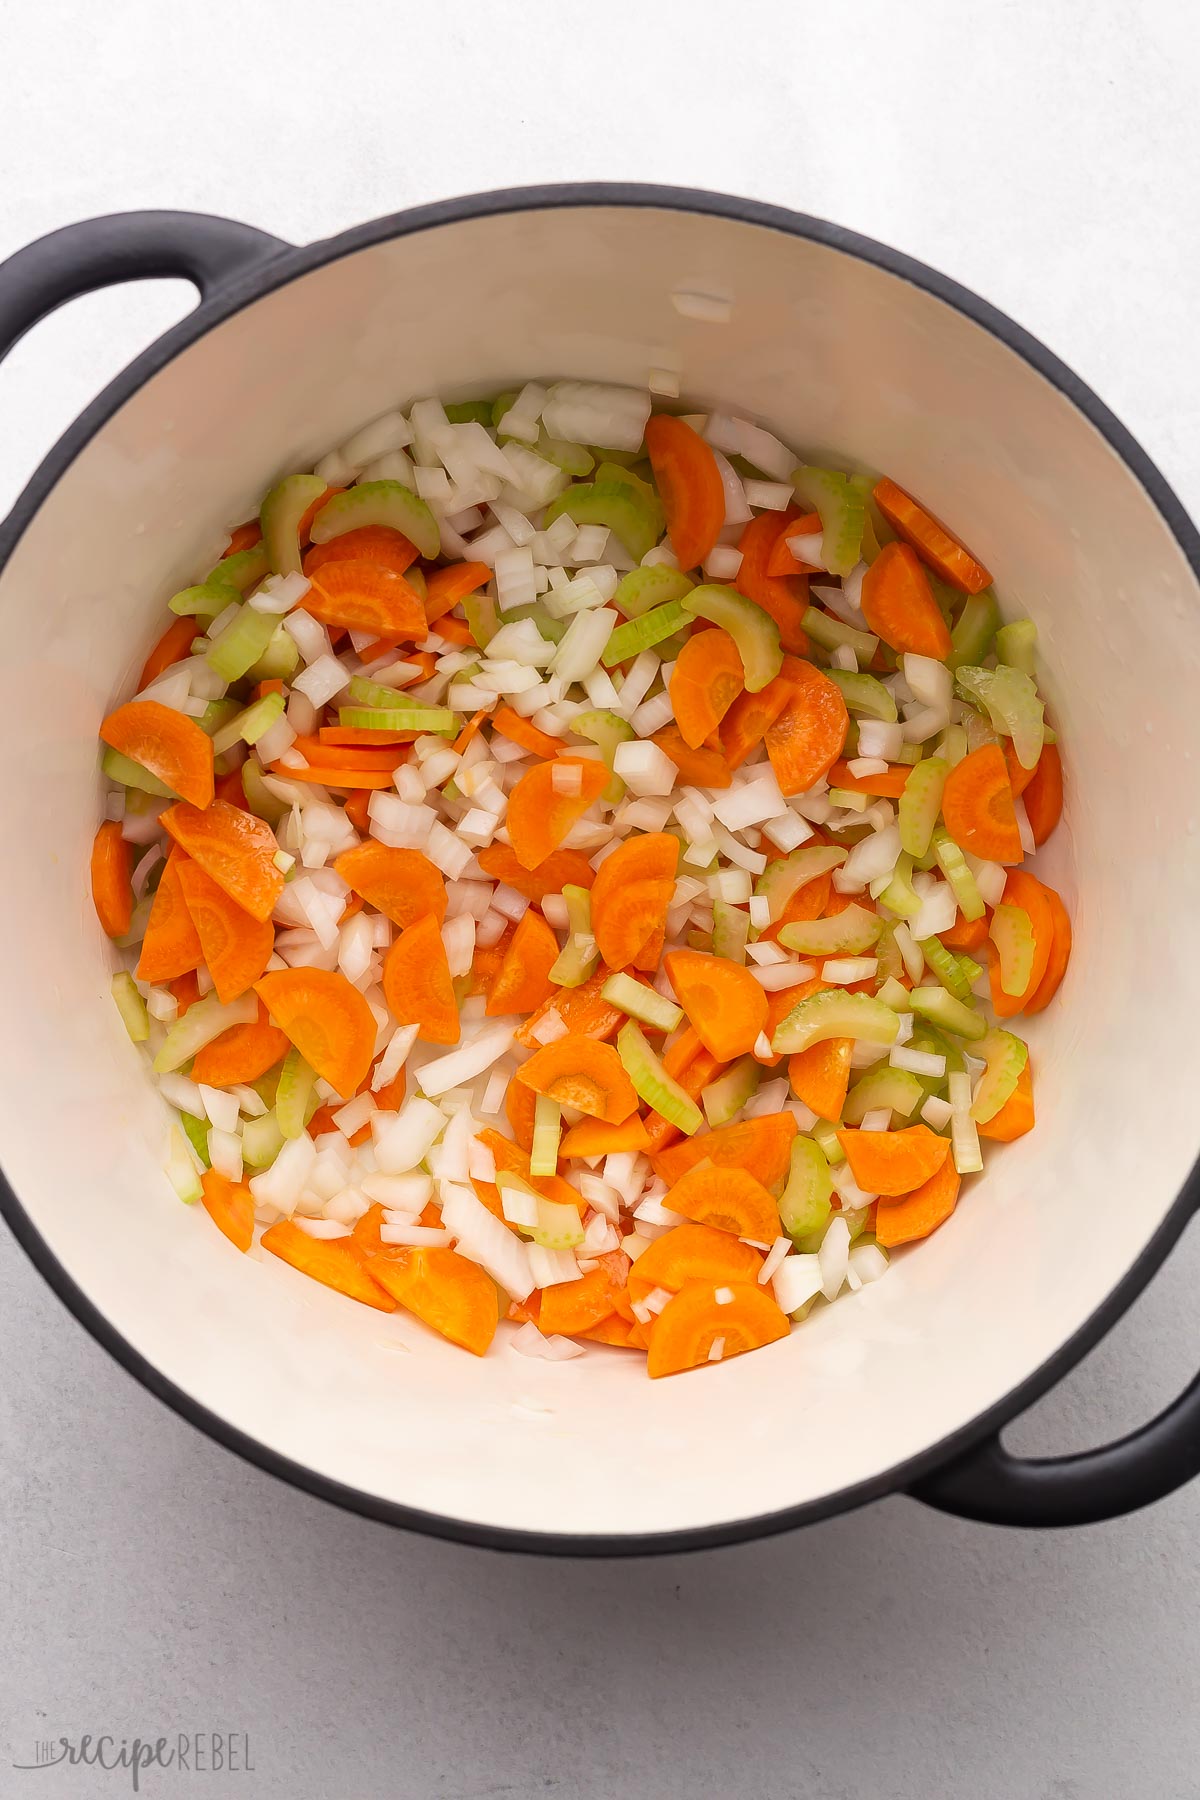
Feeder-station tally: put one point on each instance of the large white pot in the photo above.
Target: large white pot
(844, 349)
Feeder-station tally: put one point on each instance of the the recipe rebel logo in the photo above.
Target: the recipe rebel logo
(189, 1752)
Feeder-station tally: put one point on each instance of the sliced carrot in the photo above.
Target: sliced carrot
(402, 884)
(242, 1053)
(977, 805)
(540, 815)
(702, 767)
(562, 868)
(420, 664)
(707, 678)
(583, 1073)
(366, 596)
(517, 730)
(1015, 1117)
(915, 1215)
(417, 984)
(388, 1098)
(356, 805)
(613, 1330)
(690, 487)
(170, 946)
(444, 588)
(515, 1159)
(230, 1206)
(762, 1145)
(370, 758)
(783, 1001)
(368, 543)
(235, 848)
(348, 779)
(693, 1076)
(455, 631)
(310, 513)
(520, 1103)
(364, 1234)
(740, 1315)
(332, 1261)
(808, 736)
(898, 604)
(728, 1200)
(808, 902)
(1019, 777)
(965, 934)
(488, 960)
(447, 1291)
(166, 742)
(185, 991)
(630, 895)
(820, 1076)
(893, 1162)
(1026, 891)
(582, 1010)
(243, 537)
(591, 1137)
(749, 718)
(229, 788)
(785, 598)
(357, 737)
(692, 1252)
(1044, 794)
(724, 1002)
(570, 1307)
(236, 947)
(523, 982)
(174, 644)
(111, 872)
(470, 730)
(783, 559)
(1060, 955)
(327, 1020)
(522, 1312)
(887, 785)
(944, 554)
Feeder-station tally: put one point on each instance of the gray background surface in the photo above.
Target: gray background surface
(150, 1583)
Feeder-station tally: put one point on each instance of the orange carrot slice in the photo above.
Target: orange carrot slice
(898, 604)
(1015, 1117)
(174, 644)
(448, 1292)
(166, 742)
(943, 553)
(702, 767)
(583, 1073)
(170, 946)
(540, 815)
(820, 1076)
(520, 1103)
(693, 1067)
(236, 947)
(326, 1018)
(977, 805)
(650, 856)
(488, 960)
(515, 1160)
(444, 588)
(243, 537)
(371, 758)
(417, 984)
(749, 718)
(893, 1162)
(888, 785)
(809, 734)
(242, 1053)
(517, 730)
(707, 678)
(470, 730)
(235, 848)
(613, 1330)
(366, 596)
(582, 1010)
(762, 1145)
(591, 1137)
(742, 1315)
(1060, 954)
(338, 778)
(402, 884)
(356, 805)
(721, 999)
(728, 1200)
(185, 991)
(692, 1252)
(783, 559)
(1026, 891)
(331, 1261)
(111, 872)
(367, 543)
(571, 1307)
(523, 982)
(1044, 794)
(230, 1206)
(562, 868)
(785, 598)
(781, 1003)
(689, 485)
(965, 934)
(915, 1215)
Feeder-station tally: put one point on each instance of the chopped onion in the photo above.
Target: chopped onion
(917, 1062)
(404, 1139)
(937, 1112)
(528, 1341)
(583, 643)
(774, 977)
(796, 1281)
(465, 1063)
(487, 1240)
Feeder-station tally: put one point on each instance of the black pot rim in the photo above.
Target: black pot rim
(278, 271)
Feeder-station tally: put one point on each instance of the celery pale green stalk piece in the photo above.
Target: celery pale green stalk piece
(1005, 1057)
(971, 637)
(438, 721)
(900, 896)
(280, 517)
(836, 1013)
(1013, 705)
(279, 661)
(483, 619)
(468, 412)
(262, 1140)
(851, 932)
(248, 726)
(864, 694)
(731, 931)
(939, 1006)
(753, 631)
(203, 1021)
(131, 1006)
(636, 519)
(920, 804)
(643, 589)
(547, 1130)
(805, 1205)
(841, 504)
(641, 1002)
(1016, 645)
(894, 1088)
(577, 959)
(259, 798)
(297, 1085)
(955, 868)
(239, 645)
(645, 632)
(724, 1098)
(203, 602)
(832, 634)
(572, 459)
(946, 966)
(1011, 930)
(243, 570)
(196, 1132)
(606, 731)
(652, 1083)
(558, 1227)
(780, 881)
(387, 503)
(123, 769)
(181, 1168)
(824, 1133)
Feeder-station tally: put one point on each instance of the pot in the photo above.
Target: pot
(843, 347)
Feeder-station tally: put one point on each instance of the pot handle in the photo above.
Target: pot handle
(135, 246)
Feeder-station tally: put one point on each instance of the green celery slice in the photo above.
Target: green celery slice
(577, 959)
(840, 501)
(724, 1098)
(892, 990)
(831, 634)
(835, 1013)
(780, 881)
(1011, 930)
(262, 1140)
(641, 634)
(864, 694)
(297, 1083)
(438, 721)
(891, 963)
(894, 1088)
(280, 515)
(547, 1129)
(920, 804)
(501, 404)
(1005, 1057)
(181, 1167)
(824, 1133)
(971, 637)
(216, 714)
(851, 932)
(731, 931)
(248, 726)
(131, 1006)
(139, 920)
(469, 412)
(279, 661)
(121, 768)
(941, 1008)
(387, 503)
(606, 731)
(900, 896)
(753, 631)
(946, 966)
(552, 629)
(954, 866)
(643, 589)
(1016, 644)
(559, 1226)
(196, 1132)
(482, 616)
(952, 746)
(805, 1205)
(572, 459)
(370, 693)
(236, 648)
(204, 601)
(636, 520)
(259, 798)
(1013, 706)
(243, 570)
(652, 1083)
(641, 1002)
(203, 1021)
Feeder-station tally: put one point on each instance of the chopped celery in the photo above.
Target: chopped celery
(138, 923)
(887, 952)
(279, 661)
(469, 412)
(501, 404)
(893, 1088)
(131, 1007)
(259, 798)
(1011, 930)
(247, 727)
(641, 1002)
(840, 501)
(948, 599)
(1013, 706)
(643, 589)
(835, 1013)
(831, 634)
(625, 474)
(652, 1083)
(616, 459)
(939, 1006)
(781, 880)
(243, 570)
(239, 645)
(1005, 1057)
(416, 580)
(952, 745)
(945, 966)
(196, 1132)
(483, 619)
(547, 1129)
(181, 1167)
(954, 866)
(900, 896)
(846, 797)
(552, 629)
(370, 693)
(130, 774)
(642, 634)
(572, 459)
(864, 694)
(892, 990)
(606, 731)
(387, 503)
(558, 1227)
(439, 721)
(203, 602)
(578, 957)
(203, 1021)
(977, 730)
(908, 753)
(1016, 644)
(971, 638)
(824, 1133)
(636, 519)
(296, 1084)
(216, 714)
(753, 631)
(724, 1098)
(804, 1205)
(920, 804)
(731, 931)
(262, 1140)
(851, 932)
(280, 516)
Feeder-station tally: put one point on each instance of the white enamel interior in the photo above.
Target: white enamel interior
(836, 357)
